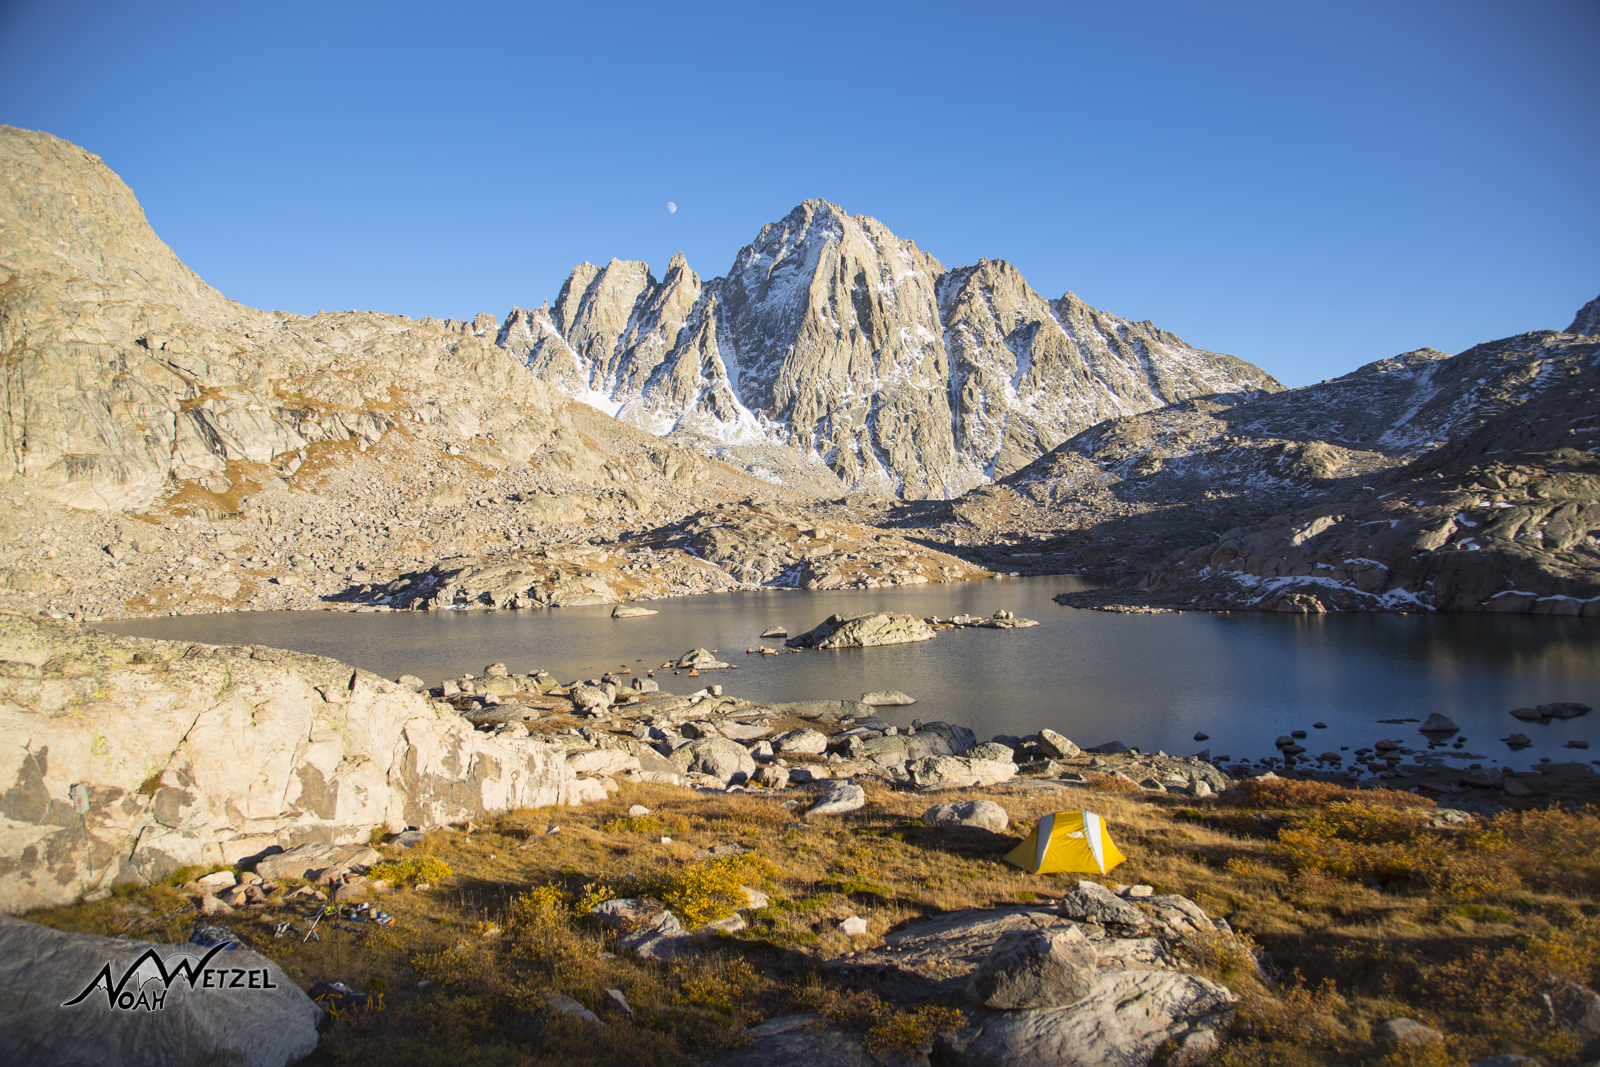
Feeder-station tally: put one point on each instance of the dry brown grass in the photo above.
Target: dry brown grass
(1457, 939)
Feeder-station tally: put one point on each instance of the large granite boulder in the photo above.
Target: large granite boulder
(1139, 997)
(862, 631)
(644, 927)
(1035, 969)
(945, 772)
(310, 860)
(805, 741)
(1094, 903)
(81, 999)
(589, 698)
(1126, 1018)
(203, 755)
(1056, 746)
(932, 739)
(839, 798)
(725, 760)
(983, 814)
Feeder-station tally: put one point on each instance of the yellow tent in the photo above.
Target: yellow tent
(1067, 841)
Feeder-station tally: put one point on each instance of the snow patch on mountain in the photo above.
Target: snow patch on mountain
(834, 337)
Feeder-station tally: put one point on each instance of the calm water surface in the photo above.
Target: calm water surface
(1150, 681)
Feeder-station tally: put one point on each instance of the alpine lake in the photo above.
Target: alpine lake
(1151, 681)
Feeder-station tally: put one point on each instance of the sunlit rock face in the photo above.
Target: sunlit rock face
(860, 352)
(125, 373)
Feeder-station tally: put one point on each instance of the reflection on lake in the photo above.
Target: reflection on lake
(1146, 680)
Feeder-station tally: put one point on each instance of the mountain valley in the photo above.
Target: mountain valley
(838, 411)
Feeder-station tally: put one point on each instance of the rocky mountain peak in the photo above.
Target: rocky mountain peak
(850, 347)
(1587, 321)
(64, 213)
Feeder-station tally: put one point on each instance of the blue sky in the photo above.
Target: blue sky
(1307, 186)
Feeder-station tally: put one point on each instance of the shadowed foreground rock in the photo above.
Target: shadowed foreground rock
(1137, 999)
(1035, 969)
(198, 754)
(41, 970)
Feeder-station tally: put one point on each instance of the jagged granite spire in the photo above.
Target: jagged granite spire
(832, 335)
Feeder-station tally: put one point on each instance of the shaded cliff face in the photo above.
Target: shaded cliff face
(835, 337)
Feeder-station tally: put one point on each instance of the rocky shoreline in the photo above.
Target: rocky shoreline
(342, 750)
(809, 743)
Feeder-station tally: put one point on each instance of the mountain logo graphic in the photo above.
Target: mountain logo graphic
(144, 985)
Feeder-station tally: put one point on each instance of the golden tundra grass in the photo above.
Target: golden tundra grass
(1360, 909)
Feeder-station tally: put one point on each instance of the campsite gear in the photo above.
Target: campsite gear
(284, 929)
(311, 931)
(336, 997)
(383, 918)
(212, 936)
(1067, 841)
